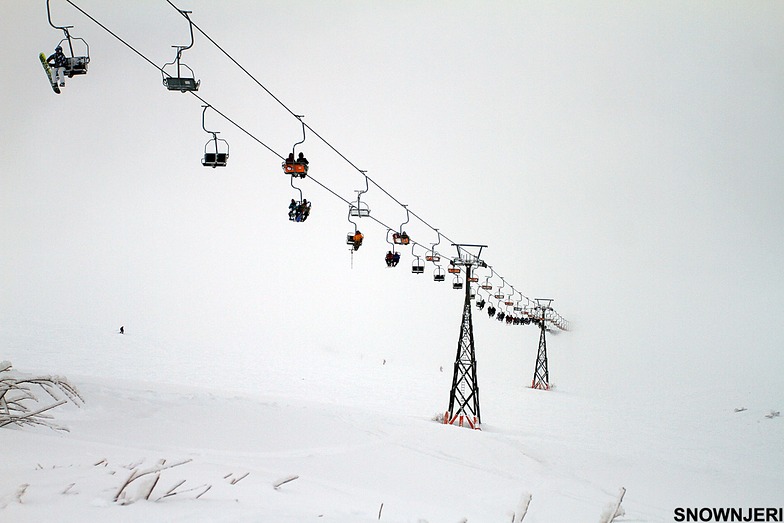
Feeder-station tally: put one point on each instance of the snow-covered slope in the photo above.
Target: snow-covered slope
(358, 433)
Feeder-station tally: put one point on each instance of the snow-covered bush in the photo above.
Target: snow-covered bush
(19, 398)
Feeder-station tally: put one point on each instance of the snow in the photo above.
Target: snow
(354, 436)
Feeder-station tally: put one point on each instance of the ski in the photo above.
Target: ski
(48, 71)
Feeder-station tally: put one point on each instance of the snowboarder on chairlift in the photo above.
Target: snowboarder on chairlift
(388, 258)
(57, 62)
(395, 259)
(292, 209)
(301, 159)
(290, 159)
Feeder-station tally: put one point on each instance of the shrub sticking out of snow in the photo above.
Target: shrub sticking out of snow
(134, 489)
(19, 397)
(613, 510)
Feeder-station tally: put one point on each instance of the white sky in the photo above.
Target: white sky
(624, 158)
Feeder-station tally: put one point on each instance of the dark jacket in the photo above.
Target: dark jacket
(59, 59)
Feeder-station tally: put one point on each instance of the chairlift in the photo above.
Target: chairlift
(433, 256)
(392, 254)
(299, 209)
(179, 81)
(360, 209)
(219, 155)
(439, 274)
(401, 237)
(296, 166)
(74, 65)
(353, 238)
(457, 283)
(417, 267)
(486, 285)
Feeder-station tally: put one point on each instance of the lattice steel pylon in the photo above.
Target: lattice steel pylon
(541, 373)
(544, 315)
(464, 395)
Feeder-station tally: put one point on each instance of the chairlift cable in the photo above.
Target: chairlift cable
(560, 320)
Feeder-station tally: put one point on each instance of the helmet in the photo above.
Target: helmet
(58, 48)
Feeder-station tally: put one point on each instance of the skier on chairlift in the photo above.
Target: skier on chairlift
(303, 211)
(357, 239)
(57, 62)
(292, 209)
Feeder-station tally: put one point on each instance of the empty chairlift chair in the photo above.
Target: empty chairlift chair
(216, 151)
(174, 78)
(418, 267)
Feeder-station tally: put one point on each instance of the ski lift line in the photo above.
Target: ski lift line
(226, 117)
(129, 46)
(160, 69)
(295, 115)
(315, 133)
(299, 118)
(252, 136)
(238, 126)
(213, 42)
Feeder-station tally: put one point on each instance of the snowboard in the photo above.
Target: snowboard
(48, 71)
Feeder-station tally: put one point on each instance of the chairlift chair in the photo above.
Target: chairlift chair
(359, 210)
(457, 283)
(74, 65)
(181, 83)
(438, 274)
(350, 241)
(292, 166)
(401, 238)
(220, 154)
(417, 267)
(178, 81)
(215, 159)
(295, 168)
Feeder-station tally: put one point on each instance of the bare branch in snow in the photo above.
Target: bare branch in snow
(19, 401)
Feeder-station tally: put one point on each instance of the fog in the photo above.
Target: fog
(624, 159)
